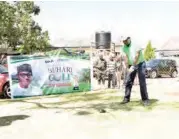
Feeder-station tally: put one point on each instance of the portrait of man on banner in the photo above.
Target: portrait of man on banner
(25, 86)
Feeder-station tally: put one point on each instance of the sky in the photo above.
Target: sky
(71, 23)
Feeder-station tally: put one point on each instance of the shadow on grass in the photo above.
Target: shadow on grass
(8, 101)
(7, 120)
(115, 106)
(103, 100)
(83, 113)
(73, 98)
(109, 106)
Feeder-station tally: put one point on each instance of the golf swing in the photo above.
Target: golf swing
(136, 64)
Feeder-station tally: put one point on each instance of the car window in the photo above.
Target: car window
(168, 62)
(171, 63)
(163, 63)
(3, 69)
(154, 62)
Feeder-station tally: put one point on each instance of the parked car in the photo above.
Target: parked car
(159, 67)
(4, 82)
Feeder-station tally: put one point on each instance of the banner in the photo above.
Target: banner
(45, 75)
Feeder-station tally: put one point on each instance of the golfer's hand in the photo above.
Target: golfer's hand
(131, 69)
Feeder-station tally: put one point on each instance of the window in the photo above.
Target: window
(171, 63)
(163, 63)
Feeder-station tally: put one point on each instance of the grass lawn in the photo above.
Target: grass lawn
(92, 101)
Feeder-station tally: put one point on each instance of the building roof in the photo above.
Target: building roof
(171, 44)
(169, 53)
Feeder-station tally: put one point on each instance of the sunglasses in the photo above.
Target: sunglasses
(25, 75)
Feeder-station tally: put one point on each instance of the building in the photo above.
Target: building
(170, 48)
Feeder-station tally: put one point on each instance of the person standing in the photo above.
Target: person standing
(99, 69)
(136, 64)
(119, 68)
(123, 68)
(111, 71)
(107, 55)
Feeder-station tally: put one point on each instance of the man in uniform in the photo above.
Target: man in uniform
(136, 64)
(120, 68)
(100, 70)
(107, 55)
(111, 71)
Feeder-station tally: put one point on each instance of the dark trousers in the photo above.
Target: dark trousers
(140, 69)
(112, 77)
(101, 78)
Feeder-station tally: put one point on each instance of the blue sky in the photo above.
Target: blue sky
(78, 21)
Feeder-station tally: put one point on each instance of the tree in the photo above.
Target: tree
(149, 52)
(7, 19)
(17, 27)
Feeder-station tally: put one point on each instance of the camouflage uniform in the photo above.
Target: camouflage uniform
(119, 69)
(99, 70)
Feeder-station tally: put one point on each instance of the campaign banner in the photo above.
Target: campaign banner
(45, 75)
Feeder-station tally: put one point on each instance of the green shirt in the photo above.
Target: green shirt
(131, 52)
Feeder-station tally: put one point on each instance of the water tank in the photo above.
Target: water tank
(103, 40)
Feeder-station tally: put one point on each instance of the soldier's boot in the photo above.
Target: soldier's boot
(99, 84)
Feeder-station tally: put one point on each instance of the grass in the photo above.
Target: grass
(87, 102)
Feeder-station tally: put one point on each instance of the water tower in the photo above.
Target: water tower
(103, 41)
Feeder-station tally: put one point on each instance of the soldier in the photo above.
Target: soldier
(111, 71)
(119, 68)
(99, 69)
(107, 54)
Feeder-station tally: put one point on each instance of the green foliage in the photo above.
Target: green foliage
(149, 52)
(85, 75)
(17, 27)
